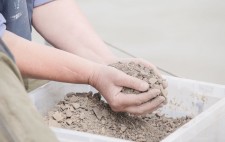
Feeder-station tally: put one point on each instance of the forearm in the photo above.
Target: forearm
(63, 25)
(43, 62)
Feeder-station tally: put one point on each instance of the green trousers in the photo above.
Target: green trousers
(19, 121)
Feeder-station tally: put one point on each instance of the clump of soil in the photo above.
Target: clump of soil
(141, 72)
(88, 113)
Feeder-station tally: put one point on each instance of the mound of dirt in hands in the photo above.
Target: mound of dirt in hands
(141, 72)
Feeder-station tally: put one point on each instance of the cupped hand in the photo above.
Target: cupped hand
(110, 81)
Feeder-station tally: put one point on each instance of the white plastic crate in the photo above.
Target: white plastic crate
(203, 101)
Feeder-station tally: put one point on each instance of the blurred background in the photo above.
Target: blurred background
(183, 37)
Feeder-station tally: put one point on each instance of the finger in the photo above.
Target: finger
(127, 100)
(153, 106)
(132, 82)
(161, 105)
(146, 107)
(156, 108)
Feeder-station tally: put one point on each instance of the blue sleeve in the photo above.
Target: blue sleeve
(2, 25)
(41, 2)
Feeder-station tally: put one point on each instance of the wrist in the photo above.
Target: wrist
(94, 73)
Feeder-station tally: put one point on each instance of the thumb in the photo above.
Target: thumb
(132, 82)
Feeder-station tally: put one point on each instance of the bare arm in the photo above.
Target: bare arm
(40, 61)
(63, 25)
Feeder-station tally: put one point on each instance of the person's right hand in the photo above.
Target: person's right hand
(110, 81)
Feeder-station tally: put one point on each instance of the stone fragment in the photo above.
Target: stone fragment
(63, 107)
(105, 113)
(103, 130)
(97, 113)
(57, 116)
(82, 115)
(76, 105)
(103, 121)
(152, 80)
(71, 108)
(69, 113)
(123, 128)
(160, 80)
(73, 99)
(143, 73)
(69, 121)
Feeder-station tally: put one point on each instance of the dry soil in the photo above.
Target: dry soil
(88, 113)
(147, 74)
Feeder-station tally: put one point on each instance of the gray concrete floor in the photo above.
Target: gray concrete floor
(186, 38)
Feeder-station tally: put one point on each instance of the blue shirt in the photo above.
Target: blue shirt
(15, 16)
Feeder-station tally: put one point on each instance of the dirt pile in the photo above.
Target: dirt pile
(141, 72)
(88, 113)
